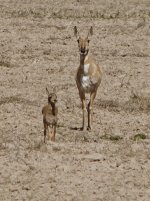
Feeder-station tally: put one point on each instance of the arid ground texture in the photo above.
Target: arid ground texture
(38, 50)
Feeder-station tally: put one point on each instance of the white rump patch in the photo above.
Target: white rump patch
(86, 68)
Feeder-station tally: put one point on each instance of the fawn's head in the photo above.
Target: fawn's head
(83, 43)
(52, 98)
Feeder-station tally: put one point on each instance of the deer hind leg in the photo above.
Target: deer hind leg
(53, 132)
(90, 110)
(50, 132)
(45, 128)
(82, 97)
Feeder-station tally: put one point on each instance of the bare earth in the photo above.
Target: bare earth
(38, 49)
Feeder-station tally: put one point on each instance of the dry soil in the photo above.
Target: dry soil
(38, 49)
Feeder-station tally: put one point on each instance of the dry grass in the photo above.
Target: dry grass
(16, 99)
(111, 137)
(140, 136)
(4, 63)
(134, 104)
(112, 161)
(107, 10)
(139, 103)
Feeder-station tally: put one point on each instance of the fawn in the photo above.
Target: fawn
(49, 112)
(88, 77)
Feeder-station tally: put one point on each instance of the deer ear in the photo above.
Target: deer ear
(90, 33)
(75, 31)
(47, 91)
(54, 89)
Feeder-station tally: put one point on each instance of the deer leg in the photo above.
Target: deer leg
(50, 133)
(45, 127)
(53, 132)
(44, 134)
(90, 110)
(82, 97)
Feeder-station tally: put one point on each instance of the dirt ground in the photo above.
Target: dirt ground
(38, 49)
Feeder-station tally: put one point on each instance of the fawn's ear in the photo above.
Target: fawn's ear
(76, 33)
(90, 33)
(47, 91)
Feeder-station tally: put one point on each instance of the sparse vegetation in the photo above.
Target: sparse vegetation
(140, 136)
(5, 64)
(37, 50)
(139, 102)
(136, 103)
(111, 137)
(16, 99)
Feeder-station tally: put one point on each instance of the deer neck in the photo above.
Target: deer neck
(83, 59)
(53, 108)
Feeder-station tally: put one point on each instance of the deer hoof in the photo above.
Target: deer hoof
(89, 128)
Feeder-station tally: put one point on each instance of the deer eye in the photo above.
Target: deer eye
(88, 40)
(78, 40)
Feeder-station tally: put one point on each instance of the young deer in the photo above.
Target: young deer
(50, 116)
(88, 77)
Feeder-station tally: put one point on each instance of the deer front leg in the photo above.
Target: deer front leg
(90, 110)
(45, 133)
(82, 97)
(50, 132)
(53, 132)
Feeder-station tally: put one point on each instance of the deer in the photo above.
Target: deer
(50, 112)
(88, 76)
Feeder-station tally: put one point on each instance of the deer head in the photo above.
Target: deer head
(83, 43)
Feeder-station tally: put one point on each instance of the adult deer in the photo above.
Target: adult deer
(88, 77)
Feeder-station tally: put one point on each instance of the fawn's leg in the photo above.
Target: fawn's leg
(50, 132)
(53, 132)
(45, 127)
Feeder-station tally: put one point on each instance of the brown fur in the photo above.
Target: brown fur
(50, 112)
